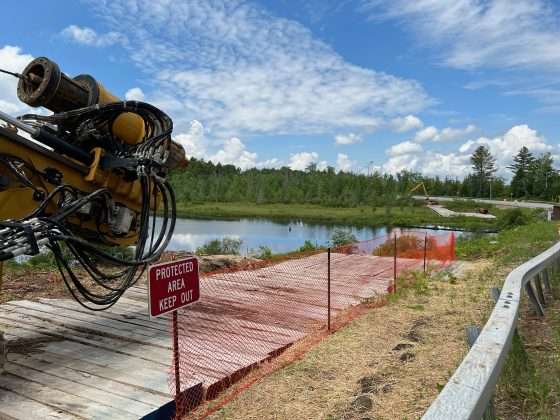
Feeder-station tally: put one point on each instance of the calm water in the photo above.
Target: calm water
(279, 236)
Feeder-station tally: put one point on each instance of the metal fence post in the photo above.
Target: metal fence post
(395, 266)
(329, 289)
(425, 250)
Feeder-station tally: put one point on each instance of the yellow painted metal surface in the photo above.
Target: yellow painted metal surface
(18, 202)
(128, 127)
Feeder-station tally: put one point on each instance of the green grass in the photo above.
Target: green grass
(509, 246)
(469, 206)
(364, 216)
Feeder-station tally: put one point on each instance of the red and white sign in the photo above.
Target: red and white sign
(172, 285)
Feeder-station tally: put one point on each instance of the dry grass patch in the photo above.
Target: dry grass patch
(387, 364)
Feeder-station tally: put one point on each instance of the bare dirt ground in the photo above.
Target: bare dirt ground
(31, 284)
(389, 363)
(24, 282)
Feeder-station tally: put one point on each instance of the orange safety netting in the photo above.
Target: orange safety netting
(249, 314)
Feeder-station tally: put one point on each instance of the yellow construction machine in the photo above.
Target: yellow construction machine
(428, 199)
(88, 177)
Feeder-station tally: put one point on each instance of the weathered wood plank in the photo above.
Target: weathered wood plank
(73, 388)
(83, 407)
(91, 379)
(15, 406)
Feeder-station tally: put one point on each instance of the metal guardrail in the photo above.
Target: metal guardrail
(469, 390)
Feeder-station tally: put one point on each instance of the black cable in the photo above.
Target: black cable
(58, 227)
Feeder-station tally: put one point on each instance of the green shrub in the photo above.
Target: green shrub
(264, 253)
(307, 246)
(225, 246)
(512, 218)
(342, 237)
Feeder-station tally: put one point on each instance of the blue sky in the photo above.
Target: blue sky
(389, 84)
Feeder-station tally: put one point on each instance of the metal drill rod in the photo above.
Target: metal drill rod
(17, 123)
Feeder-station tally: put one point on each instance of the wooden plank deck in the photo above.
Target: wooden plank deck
(66, 362)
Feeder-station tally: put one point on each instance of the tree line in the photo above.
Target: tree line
(532, 176)
(203, 181)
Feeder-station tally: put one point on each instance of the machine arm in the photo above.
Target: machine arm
(90, 176)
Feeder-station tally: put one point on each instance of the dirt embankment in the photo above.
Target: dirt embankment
(23, 281)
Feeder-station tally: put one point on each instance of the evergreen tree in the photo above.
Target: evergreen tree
(484, 165)
(522, 168)
(541, 175)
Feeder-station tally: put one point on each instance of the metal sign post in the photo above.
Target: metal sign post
(176, 358)
(171, 286)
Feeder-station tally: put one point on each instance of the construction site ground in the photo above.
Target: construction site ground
(66, 362)
(390, 363)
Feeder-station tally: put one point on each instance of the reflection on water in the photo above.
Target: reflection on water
(279, 236)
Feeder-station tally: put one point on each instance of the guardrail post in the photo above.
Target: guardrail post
(546, 280)
(533, 298)
(495, 292)
(472, 334)
(538, 286)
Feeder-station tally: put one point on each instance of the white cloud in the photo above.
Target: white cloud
(12, 59)
(426, 134)
(349, 138)
(504, 147)
(446, 134)
(446, 165)
(300, 161)
(134, 94)
(450, 134)
(398, 163)
(457, 164)
(518, 38)
(404, 148)
(407, 123)
(344, 163)
(235, 153)
(193, 140)
(231, 151)
(270, 163)
(474, 33)
(430, 163)
(239, 70)
(87, 36)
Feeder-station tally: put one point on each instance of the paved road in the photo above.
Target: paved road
(522, 204)
(442, 211)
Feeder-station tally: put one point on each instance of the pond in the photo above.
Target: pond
(279, 236)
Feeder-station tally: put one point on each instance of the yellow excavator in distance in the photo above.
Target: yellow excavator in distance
(429, 201)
